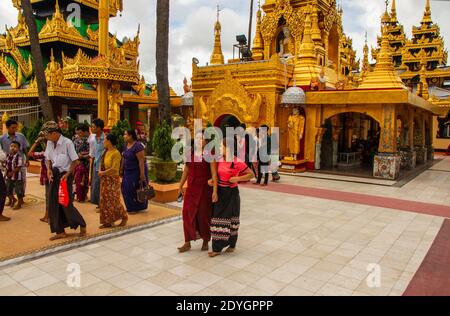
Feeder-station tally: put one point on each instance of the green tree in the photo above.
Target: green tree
(162, 141)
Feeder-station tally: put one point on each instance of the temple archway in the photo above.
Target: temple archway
(350, 143)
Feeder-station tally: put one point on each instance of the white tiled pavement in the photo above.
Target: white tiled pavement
(288, 245)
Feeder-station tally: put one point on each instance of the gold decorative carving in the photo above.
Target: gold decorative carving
(230, 97)
(55, 76)
(115, 101)
(141, 87)
(283, 9)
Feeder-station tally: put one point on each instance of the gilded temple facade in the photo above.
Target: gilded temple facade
(421, 62)
(89, 72)
(304, 79)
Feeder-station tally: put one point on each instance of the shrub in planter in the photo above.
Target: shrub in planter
(165, 169)
(119, 130)
(32, 133)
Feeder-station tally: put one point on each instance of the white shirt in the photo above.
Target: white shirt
(63, 155)
(91, 141)
(2, 159)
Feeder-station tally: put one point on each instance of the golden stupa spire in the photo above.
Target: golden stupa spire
(306, 67)
(427, 14)
(384, 76)
(258, 47)
(217, 55)
(315, 30)
(386, 18)
(57, 10)
(365, 65)
(394, 12)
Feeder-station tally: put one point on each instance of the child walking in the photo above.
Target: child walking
(14, 182)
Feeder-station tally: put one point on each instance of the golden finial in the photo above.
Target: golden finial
(217, 55)
(315, 30)
(365, 63)
(218, 12)
(258, 46)
(427, 14)
(386, 17)
(394, 11)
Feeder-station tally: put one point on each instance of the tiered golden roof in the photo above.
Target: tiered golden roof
(384, 76)
(17, 67)
(114, 5)
(396, 35)
(58, 29)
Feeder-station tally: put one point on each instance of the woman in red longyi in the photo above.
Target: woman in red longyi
(198, 200)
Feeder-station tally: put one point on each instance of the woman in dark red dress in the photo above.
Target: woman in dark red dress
(198, 200)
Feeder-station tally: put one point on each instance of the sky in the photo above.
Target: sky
(192, 27)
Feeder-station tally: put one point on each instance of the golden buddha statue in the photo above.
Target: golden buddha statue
(51, 72)
(296, 127)
(5, 117)
(141, 87)
(115, 101)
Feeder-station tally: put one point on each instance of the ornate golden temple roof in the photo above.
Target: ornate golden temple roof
(64, 71)
(114, 5)
(384, 76)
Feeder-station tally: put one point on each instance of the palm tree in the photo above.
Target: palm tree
(162, 59)
(38, 64)
(250, 25)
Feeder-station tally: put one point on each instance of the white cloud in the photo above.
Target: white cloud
(192, 27)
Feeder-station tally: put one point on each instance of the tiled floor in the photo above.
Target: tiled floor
(288, 245)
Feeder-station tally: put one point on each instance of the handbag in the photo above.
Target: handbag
(145, 193)
(63, 194)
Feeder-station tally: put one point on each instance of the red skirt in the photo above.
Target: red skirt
(197, 211)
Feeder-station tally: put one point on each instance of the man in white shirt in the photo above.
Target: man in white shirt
(61, 159)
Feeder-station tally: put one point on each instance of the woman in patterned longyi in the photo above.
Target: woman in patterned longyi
(225, 221)
(111, 207)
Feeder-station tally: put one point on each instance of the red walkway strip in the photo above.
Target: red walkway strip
(365, 199)
(433, 276)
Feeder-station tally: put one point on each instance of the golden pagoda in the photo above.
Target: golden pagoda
(305, 80)
(89, 72)
(395, 34)
(421, 63)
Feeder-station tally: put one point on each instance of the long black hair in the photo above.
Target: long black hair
(228, 140)
(113, 139)
(132, 133)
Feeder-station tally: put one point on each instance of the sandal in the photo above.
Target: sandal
(184, 248)
(58, 237)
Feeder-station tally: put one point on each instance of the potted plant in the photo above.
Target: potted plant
(119, 130)
(163, 165)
